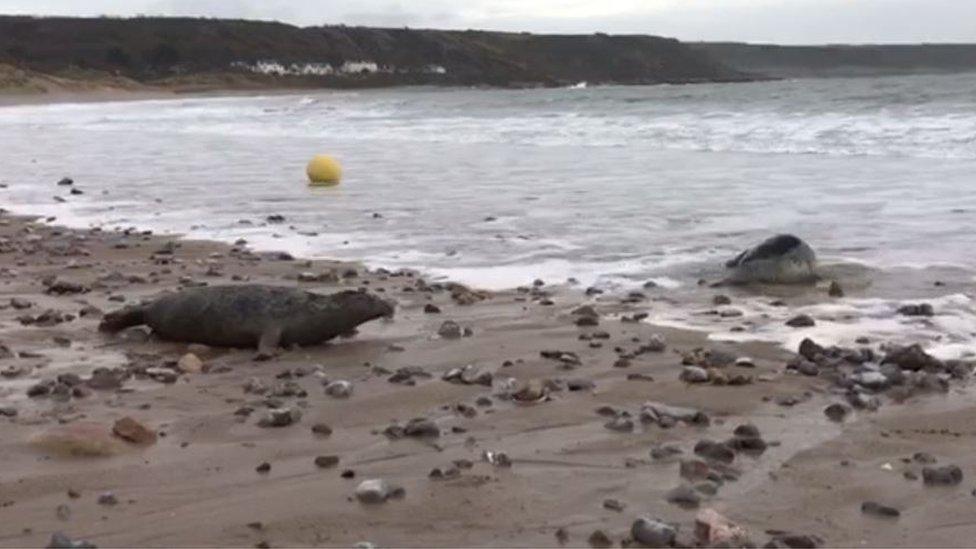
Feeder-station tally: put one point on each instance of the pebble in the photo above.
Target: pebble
(450, 330)
(61, 541)
(946, 475)
(836, 412)
(321, 429)
(693, 374)
(801, 321)
(620, 424)
(190, 364)
(878, 510)
(835, 289)
(613, 505)
(339, 389)
(683, 496)
(280, 417)
(374, 491)
(653, 533)
(107, 498)
(431, 309)
(715, 451)
(263, 468)
(133, 431)
(599, 539)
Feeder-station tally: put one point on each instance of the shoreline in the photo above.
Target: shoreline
(198, 486)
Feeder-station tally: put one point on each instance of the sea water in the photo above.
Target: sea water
(612, 186)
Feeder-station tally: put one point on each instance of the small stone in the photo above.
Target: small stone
(916, 309)
(694, 469)
(613, 505)
(836, 412)
(721, 300)
(924, 457)
(653, 533)
(107, 498)
(431, 309)
(133, 431)
(744, 362)
(620, 424)
(835, 289)
(321, 429)
(946, 475)
(715, 451)
(599, 539)
(263, 468)
(339, 389)
(190, 364)
(683, 496)
(693, 374)
(878, 510)
(280, 417)
(450, 330)
(801, 321)
(375, 491)
(61, 541)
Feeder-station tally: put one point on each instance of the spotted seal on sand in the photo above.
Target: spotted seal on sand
(251, 315)
(782, 259)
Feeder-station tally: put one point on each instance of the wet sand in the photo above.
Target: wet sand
(197, 485)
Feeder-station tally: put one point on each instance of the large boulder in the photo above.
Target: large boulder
(782, 259)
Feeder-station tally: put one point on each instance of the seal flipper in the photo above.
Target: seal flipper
(122, 319)
(268, 344)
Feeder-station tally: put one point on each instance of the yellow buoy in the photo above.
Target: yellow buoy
(322, 169)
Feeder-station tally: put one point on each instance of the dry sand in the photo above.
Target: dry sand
(197, 484)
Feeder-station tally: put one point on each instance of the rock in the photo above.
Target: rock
(714, 530)
(263, 468)
(421, 427)
(649, 532)
(19, 303)
(683, 496)
(432, 309)
(376, 491)
(721, 300)
(106, 379)
(107, 498)
(321, 429)
(916, 309)
(836, 412)
(808, 368)
(693, 469)
(694, 374)
(190, 364)
(133, 431)
(620, 424)
(835, 289)
(450, 330)
(65, 182)
(62, 541)
(280, 417)
(912, 357)
(924, 457)
(600, 539)
(614, 505)
(339, 389)
(795, 541)
(79, 438)
(163, 375)
(801, 321)
(62, 287)
(665, 452)
(744, 362)
(666, 416)
(469, 375)
(782, 259)
(326, 462)
(878, 510)
(715, 451)
(946, 475)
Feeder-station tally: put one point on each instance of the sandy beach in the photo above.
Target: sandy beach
(583, 461)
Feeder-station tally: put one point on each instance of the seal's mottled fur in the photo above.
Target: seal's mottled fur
(251, 316)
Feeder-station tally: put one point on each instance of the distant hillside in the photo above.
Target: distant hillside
(841, 60)
(236, 52)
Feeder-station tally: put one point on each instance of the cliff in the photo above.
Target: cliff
(213, 52)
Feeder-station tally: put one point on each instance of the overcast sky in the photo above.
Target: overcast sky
(781, 21)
